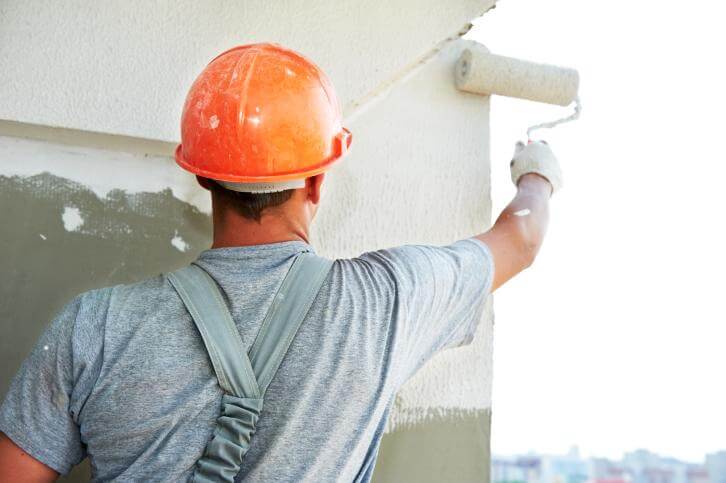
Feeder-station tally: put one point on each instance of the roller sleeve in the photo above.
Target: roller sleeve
(480, 72)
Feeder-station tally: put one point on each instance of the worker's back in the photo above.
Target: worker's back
(133, 385)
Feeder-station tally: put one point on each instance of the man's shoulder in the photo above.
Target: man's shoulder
(414, 256)
(103, 299)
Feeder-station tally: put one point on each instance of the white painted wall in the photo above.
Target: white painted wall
(124, 66)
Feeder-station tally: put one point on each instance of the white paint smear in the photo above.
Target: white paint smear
(72, 219)
(132, 173)
(179, 243)
(523, 212)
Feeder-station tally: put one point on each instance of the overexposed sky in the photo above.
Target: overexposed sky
(615, 339)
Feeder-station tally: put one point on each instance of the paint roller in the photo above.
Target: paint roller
(480, 72)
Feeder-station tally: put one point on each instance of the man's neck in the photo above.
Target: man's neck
(236, 231)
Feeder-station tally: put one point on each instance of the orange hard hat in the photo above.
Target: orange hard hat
(261, 117)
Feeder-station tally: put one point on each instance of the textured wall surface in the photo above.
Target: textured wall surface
(420, 174)
(80, 216)
(133, 60)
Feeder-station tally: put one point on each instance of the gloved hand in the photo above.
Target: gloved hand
(536, 157)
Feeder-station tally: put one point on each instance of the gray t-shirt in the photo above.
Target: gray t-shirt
(122, 375)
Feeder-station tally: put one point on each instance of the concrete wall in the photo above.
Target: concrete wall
(91, 101)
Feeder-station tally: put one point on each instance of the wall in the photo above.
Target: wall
(91, 104)
(122, 67)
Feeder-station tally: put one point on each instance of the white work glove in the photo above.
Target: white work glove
(536, 157)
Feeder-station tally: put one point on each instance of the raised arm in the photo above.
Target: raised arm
(517, 235)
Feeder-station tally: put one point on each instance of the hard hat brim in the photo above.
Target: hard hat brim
(345, 138)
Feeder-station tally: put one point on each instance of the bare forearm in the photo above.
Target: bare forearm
(17, 465)
(519, 231)
(529, 211)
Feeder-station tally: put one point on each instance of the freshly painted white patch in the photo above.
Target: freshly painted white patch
(101, 170)
(214, 122)
(365, 212)
(72, 219)
(179, 243)
(77, 98)
(523, 212)
(42, 236)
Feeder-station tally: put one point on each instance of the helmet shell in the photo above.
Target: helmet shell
(261, 113)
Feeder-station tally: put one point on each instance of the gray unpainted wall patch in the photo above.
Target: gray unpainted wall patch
(452, 446)
(122, 238)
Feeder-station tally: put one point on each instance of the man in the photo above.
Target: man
(130, 376)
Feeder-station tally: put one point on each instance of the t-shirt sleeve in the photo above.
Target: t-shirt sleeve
(36, 411)
(441, 292)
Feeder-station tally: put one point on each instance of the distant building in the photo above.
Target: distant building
(570, 468)
(602, 470)
(519, 469)
(647, 467)
(716, 467)
(639, 466)
(697, 474)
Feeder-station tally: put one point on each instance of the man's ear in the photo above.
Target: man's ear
(314, 187)
(205, 183)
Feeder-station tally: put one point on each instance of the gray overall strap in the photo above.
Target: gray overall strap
(201, 296)
(242, 401)
(288, 309)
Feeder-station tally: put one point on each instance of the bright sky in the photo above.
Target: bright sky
(615, 339)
